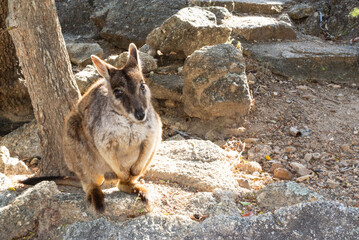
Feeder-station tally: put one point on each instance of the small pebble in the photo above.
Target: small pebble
(302, 87)
(300, 169)
(304, 178)
(295, 132)
(332, 184)
(316, 156)
(244, 183)
(308, 157)
(251, 140)
(345, 148)
(283, 174)
(169, 103)
(290, 149)
(274, 166)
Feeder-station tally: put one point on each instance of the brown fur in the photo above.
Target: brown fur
(113, 131)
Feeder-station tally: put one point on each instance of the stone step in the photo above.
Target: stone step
(309, 60)
(245, 6)
(255, 28)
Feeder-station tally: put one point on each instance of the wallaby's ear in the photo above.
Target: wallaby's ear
(133, 57)
(101, 66)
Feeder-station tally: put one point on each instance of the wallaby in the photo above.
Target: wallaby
(112, 132)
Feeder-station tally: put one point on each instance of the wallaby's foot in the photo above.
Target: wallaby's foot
(135, 188)
(96, 197)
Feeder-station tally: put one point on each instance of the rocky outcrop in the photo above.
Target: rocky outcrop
(186, 31)
(122, 22)
(215, 83)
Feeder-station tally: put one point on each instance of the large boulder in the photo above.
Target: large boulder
(188, 30)
(215, 83)
(122, 22)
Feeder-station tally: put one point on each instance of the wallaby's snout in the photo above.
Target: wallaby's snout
(140, 114)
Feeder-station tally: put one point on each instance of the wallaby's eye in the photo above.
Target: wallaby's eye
(117, 92)
(142, 87)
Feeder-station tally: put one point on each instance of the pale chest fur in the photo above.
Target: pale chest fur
(118, 139)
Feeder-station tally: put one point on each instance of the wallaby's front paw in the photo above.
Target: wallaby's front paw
(142, 193)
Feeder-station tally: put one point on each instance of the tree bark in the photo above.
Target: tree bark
(15, 103)
(40, 47)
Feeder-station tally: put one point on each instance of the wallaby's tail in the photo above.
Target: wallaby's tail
(59, 180)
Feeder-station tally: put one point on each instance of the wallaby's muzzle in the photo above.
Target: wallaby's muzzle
(140, 114)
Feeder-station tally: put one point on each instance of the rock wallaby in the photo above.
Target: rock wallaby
(112, 133)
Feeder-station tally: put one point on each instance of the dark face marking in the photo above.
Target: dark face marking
(128, 87)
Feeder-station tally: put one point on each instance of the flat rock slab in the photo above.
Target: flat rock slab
(193, 163)
(316, 220)
(309, 60)
(246, 6)
(255, 28)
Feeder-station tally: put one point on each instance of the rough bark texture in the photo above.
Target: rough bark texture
(40, 47)
(15, 103)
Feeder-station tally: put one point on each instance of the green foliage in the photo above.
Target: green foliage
(354, 13)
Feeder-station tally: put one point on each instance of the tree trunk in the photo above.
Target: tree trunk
(15, 103)
(40, 47)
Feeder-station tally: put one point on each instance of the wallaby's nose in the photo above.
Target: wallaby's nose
(139, 114)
